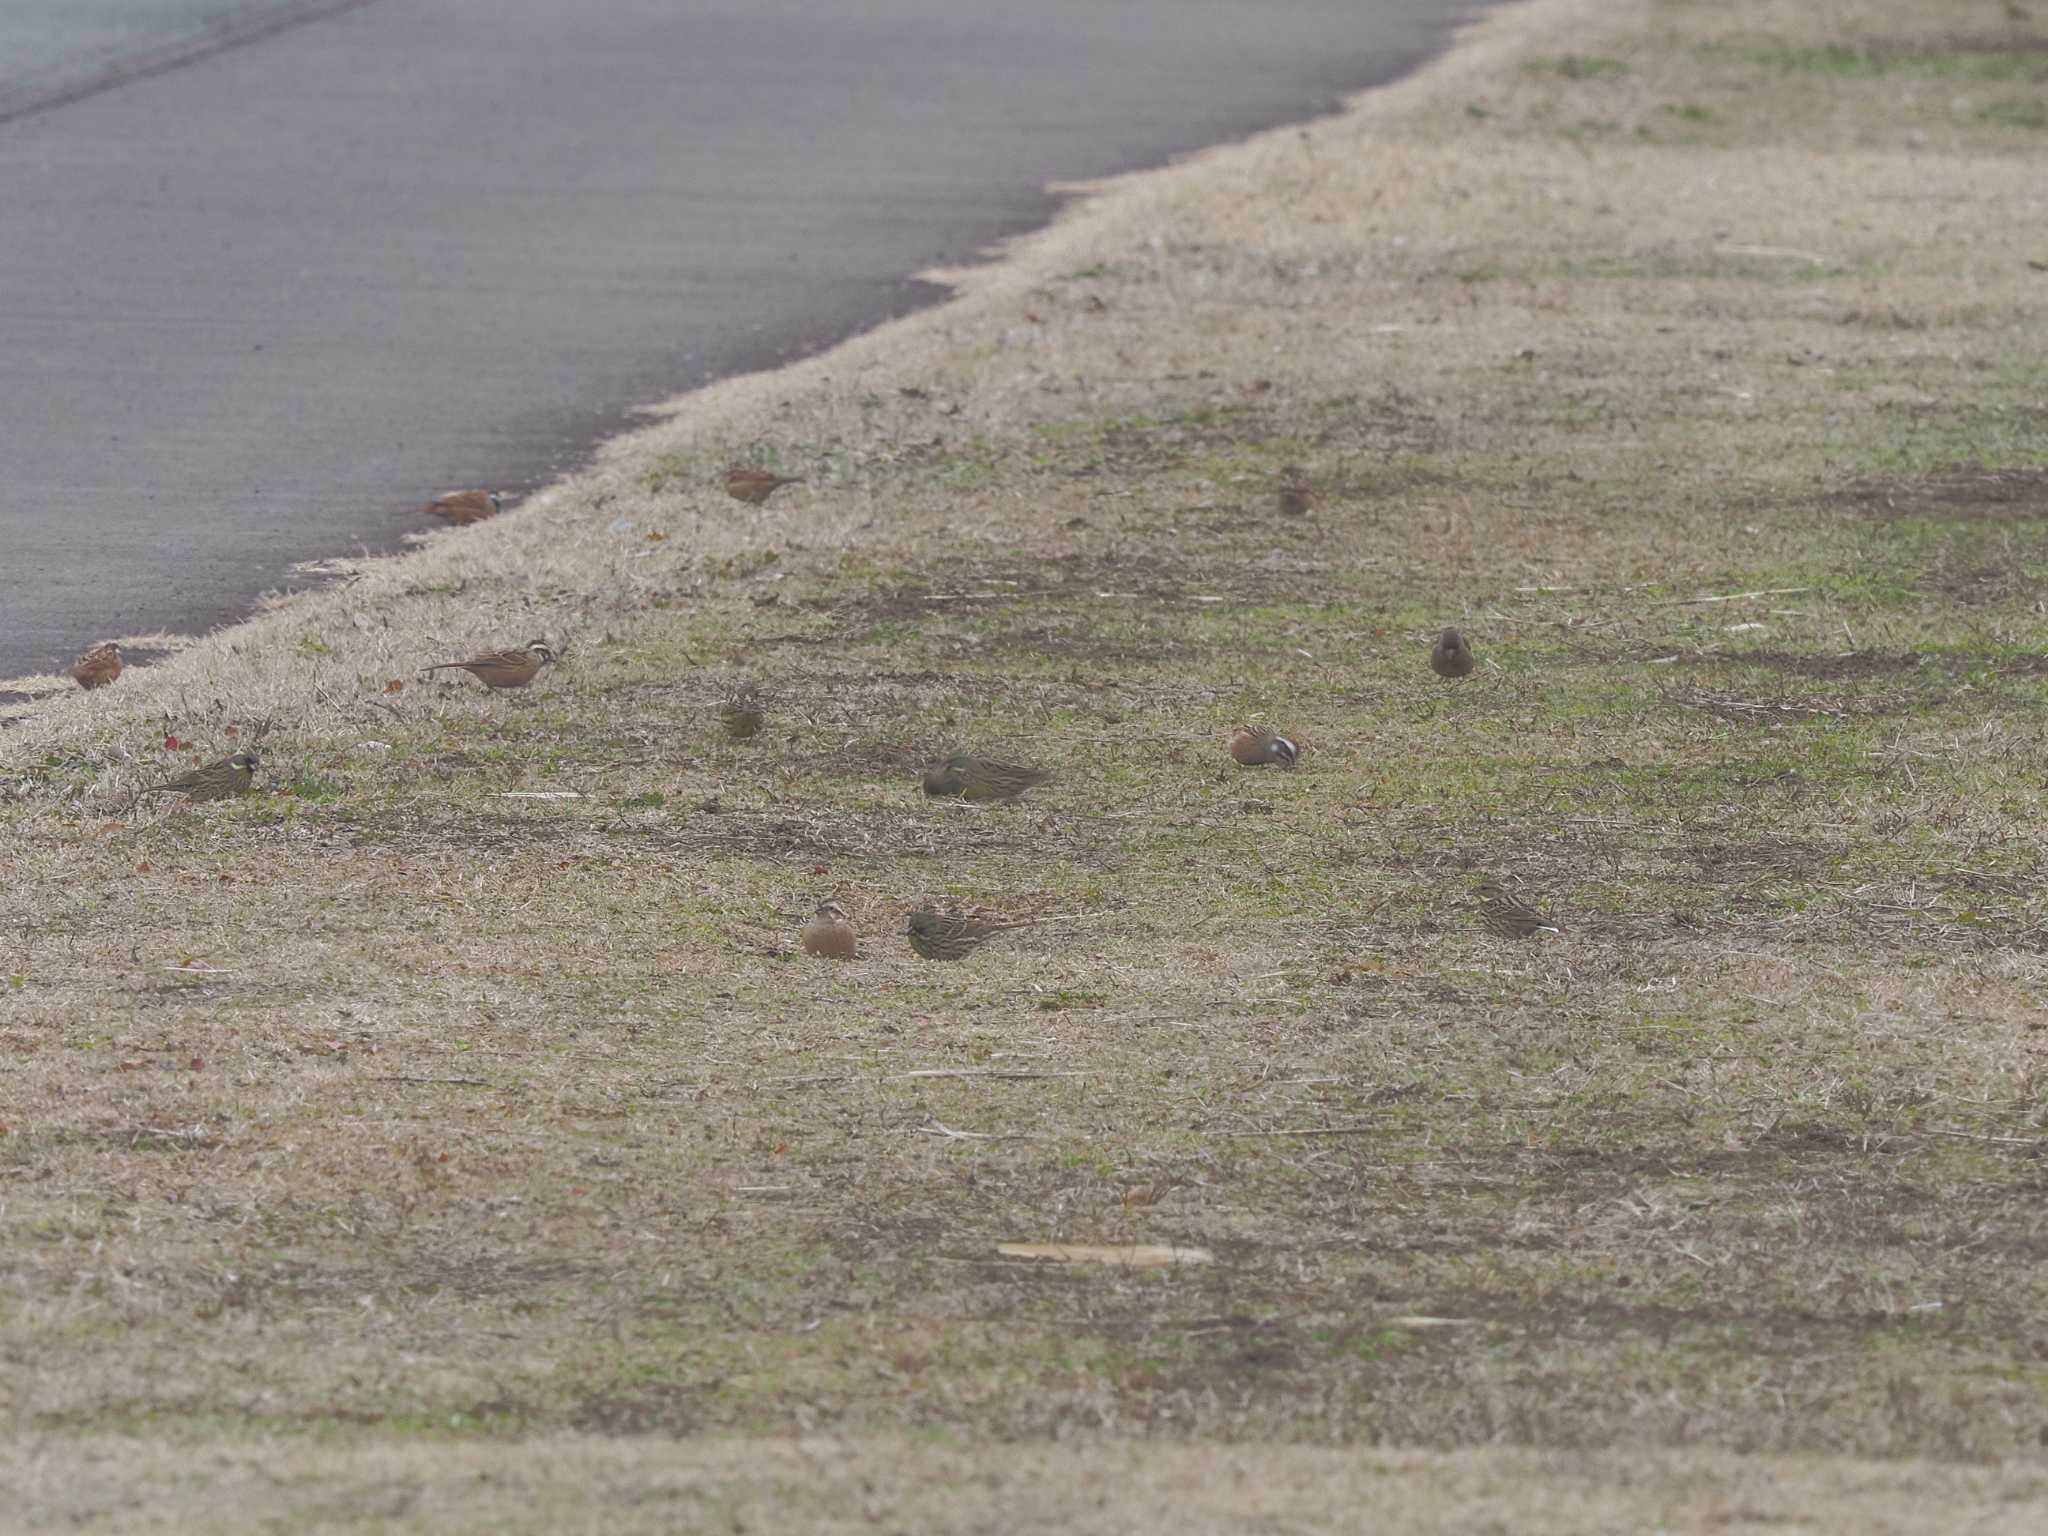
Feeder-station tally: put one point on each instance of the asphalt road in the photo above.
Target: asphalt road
(272, 274)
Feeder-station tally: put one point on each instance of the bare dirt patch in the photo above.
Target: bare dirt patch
(1962, 493)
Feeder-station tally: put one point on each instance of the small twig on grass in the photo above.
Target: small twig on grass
(2007, 1141)
(1728, 597)
(1786, 251)
(462, 1082)
(940, 1128)
(995, 1072)
(1307, 1130)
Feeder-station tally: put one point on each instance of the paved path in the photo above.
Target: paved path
(262, 291)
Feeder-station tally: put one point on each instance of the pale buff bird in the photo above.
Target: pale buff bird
(745, 483)
(1255, 747)
(830, 933)
(98, 666)
(504, 669)
(463, 507)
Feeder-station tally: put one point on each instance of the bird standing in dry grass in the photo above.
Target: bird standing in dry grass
(1255, 747)
(232, 775)
(1507, 914)
(830, 933)
(740, 712)
(504, 669)
(753, 486)
(461, 507)
(980, 778)
(98, 666)
(937, 936)
(1450, 656)
(1296, 498)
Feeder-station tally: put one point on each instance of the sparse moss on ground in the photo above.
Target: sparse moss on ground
(463, 1088)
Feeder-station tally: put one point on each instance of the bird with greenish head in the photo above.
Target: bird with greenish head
(980, 778)
(1508, 915)
(231, 775)
(939, 936)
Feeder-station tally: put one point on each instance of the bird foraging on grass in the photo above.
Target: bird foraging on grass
(980, 778)
(1508, 915)
(745, 483)
(1295, 496)
(830, 933)
(1255, 747)
(98, 666)
(740, 712)
(1450, 656)
(464, 507)
(232, 775)
(937, 936)
(504, 669)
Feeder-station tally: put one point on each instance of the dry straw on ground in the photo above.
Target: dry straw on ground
(461, 1099)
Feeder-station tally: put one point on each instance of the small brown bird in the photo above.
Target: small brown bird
(1450, 656)
(232, 775)
(98, 666)
(830, 933)
(1508, 915)
(980, 778)
(461, 507)
(1255, 747)
(753, 486)
(740, 713)
(1295, 496)
(939, 937)
(504, 669)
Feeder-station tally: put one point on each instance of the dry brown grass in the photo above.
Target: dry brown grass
(392, 1127)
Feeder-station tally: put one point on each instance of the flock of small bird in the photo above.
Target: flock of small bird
(968, 775)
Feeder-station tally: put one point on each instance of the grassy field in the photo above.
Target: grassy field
(450, 1135)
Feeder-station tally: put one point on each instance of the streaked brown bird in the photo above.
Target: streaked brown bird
(830, 933)
(1296, 498)
(1450, 656)
(938, 936)
(98, 666)
(461, 507)
(504, 669)
(980, 778)
(745, 483)
(1255, 747)
(232, 775)
(1507, 914)
(740, 712)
